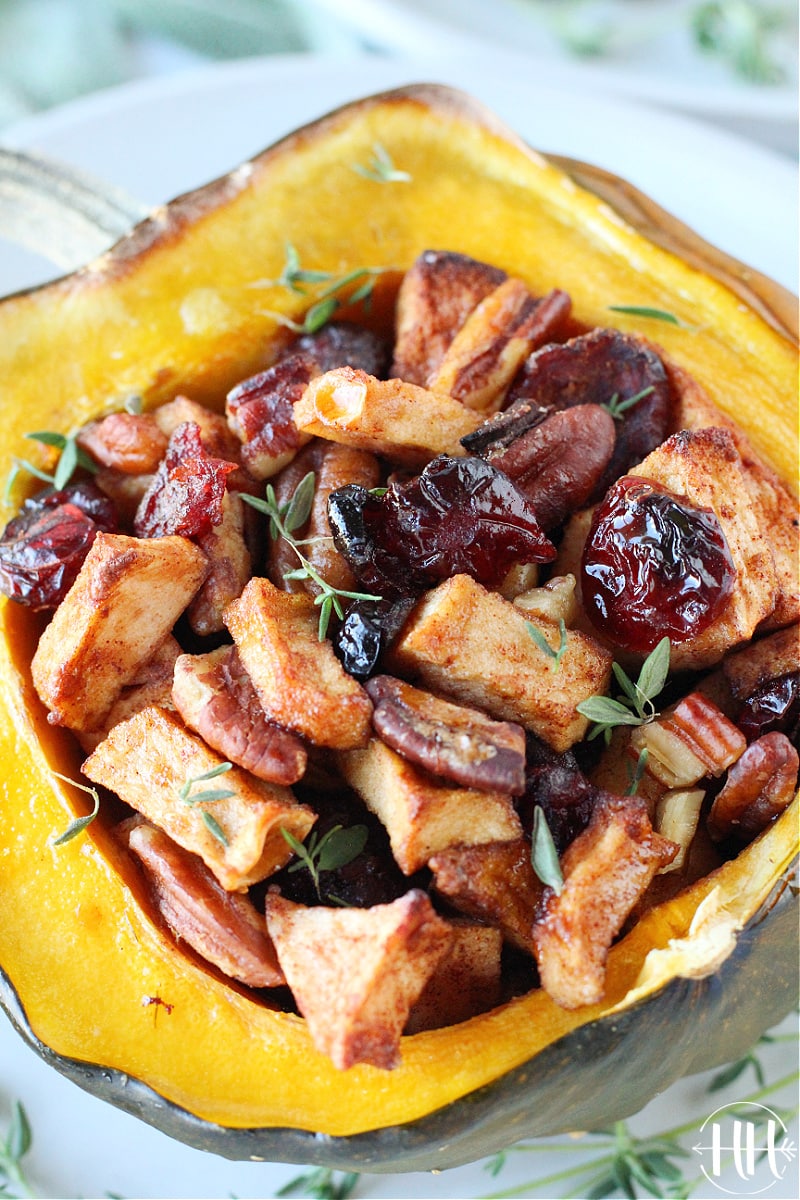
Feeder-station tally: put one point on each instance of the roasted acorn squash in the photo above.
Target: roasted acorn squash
(180, 306)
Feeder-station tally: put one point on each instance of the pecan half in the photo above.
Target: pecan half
(449, 740)
(222, 927)
(214, 695)
(559, 463)
(758, 788)
(260, 412)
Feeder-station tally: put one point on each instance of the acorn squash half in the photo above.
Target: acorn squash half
(182, 306)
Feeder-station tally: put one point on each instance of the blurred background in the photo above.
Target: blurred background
(733, 62)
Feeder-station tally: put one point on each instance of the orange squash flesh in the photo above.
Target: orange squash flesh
(184, 306)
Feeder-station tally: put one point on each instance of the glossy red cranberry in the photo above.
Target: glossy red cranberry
(460, 516)
(775, 706)
(654, 565)
(41, 553)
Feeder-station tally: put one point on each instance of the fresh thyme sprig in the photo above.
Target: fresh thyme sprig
(380, 168)
(634, 706)
(544, 856)
(13, 1148)
(69, 460)
(285, 519)
(208, 796)
(336, 848)
(298, 279)
(637, 774)
(322, 1184)
(651, 314)
(738, 32)
(616, 407)
(80, 823)
(543, 644)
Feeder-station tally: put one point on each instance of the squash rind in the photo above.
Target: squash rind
(418, 1118)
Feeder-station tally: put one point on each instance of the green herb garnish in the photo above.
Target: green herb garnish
(634, 706)
(298, 279)
(336, 848)
(13, 1148)
(381, 169)
(543, 644)
(208, 796)
(80, 823)
(637, 774)
(738, 32)
(544, 856)
(652, 314)
(616, 407)
(322, 1184)
(284, 520)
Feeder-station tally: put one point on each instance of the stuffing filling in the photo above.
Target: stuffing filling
(431, 664)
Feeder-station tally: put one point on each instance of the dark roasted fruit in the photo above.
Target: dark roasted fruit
(773, 706)
(43, 548)
(460, 516)
(185, 496)
(368, 629)
(555, 783)
(558, 464)
(342, 344)
(602, 367)
(654, 565)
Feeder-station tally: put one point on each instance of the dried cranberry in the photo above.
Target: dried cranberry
(461, 515)
(185, 496)
(41, 552)
(596, 368)
(84, 494)
(555, 783)
(369, 627)
(775, 706)
(654, 565)
(343, 344)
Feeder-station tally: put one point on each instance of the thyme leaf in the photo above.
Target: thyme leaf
(634, 706)
(70, 458)
(284, 520)
(13, 1148)
(322, 1184)
(298, 279)
(544, 856)
(543, 644)
(80, 823)
(616, 407)
(643, 310)
(637, 773)
(336, 848)
(208, 796)
(738, 32)
(380, 168)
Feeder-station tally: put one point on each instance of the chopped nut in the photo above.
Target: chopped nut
(222, 927)
(150, 759)
(464, 984)
(555, 601)
(128, 595)
(229, 567)
(408, 423)
(421, 814)
(217, 438)
(447, 739)
(494, 882)
(494, 341)
(677, 818)
(606, 870)
(436, 296)
(131, 443)
(758, 788)
(215, 696)
(298, 679)
(472, 645)
(356, 972)
(689, 741)
(260, 412)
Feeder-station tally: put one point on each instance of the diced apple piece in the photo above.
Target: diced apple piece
(299, 680)
(356, 972)
(407, 423)
(151, 686)
(475, 646)
(150, 759)
(422, 814)
(128, 595)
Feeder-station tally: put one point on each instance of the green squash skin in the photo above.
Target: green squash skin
(690, 1025)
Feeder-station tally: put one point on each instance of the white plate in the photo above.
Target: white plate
(650, 55)
(161, 137)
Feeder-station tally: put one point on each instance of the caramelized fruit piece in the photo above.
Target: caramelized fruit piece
(460, 516)
(185, 496)
(654, 565)
(773, 706)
